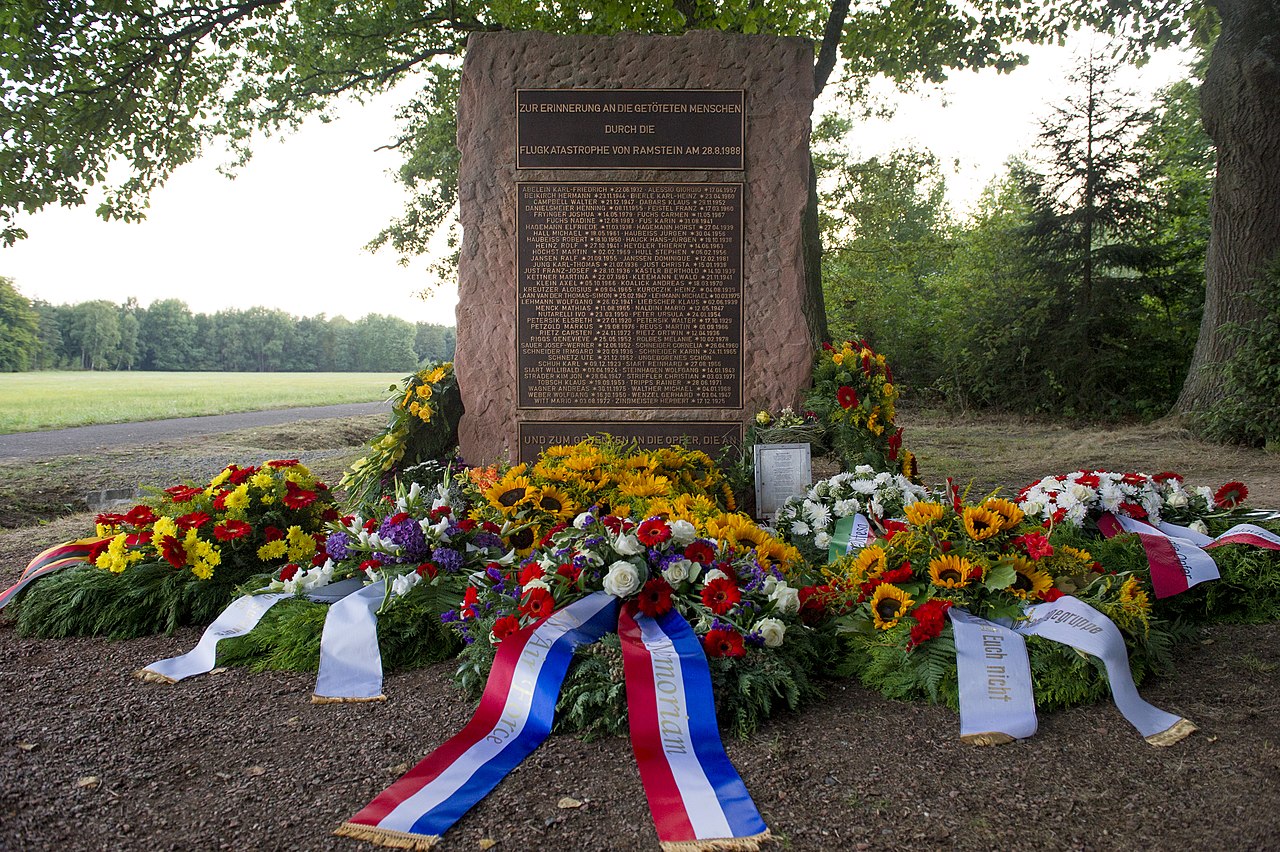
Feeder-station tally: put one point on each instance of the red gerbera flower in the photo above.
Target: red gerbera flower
(1230, 495)
(700, 551)
(721, 595)
(297, 497)
(283, 463)
(140, 516)
(505, 626)
(1134, 510)
(537, 604)
(723, 643)
(182, 493)
(846, 396)
(220, 500)
(241, 474)
(111, 519)
(173, 551)
(191, 521)
(652, 532)
(1167, 476)
(655, 598)
(532, 571)
(569, 570)
(230, 530)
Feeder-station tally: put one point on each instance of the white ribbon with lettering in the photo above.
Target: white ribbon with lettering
(350, 661)
(236, 620)
(997, 704)
(1073, 622)
(1195, 564)
(850, 534)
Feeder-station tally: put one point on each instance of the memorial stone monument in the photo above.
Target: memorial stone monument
(632, 259)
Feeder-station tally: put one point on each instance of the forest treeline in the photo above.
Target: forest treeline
(101, 335)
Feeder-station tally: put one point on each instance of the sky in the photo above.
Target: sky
(288, 232)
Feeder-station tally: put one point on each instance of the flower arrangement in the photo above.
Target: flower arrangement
(741, 606)
(1085, 494)
(178, 557)
(808, 522)
(786, 427)
(891, 599)
(854, 396)
(425, 411)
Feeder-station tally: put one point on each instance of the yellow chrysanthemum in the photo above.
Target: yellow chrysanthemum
(981, 524)
(301, 545)
(164, 526)
(220, 478)
(1030, 582)
(273, 550)
(262, 480)
(238, 498)
(1006, 509)
(922, 513)
(888, 605)
(113, 558)
(950, 571)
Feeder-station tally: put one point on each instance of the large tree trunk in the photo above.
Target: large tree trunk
(1240, 103)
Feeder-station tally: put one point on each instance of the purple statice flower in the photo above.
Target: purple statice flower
(448, 559)
(717, 624)
(449, 615)
(593, 541)
(755, 640)
(494, 574)
(407, 535)
(338, 546)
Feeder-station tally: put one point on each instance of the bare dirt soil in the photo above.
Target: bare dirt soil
(91, 758)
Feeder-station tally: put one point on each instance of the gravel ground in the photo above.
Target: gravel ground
(91, 758)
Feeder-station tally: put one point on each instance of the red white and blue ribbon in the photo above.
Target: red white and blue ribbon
(1176, 563)
(53, 559)
(1249, 534)
(697, 798)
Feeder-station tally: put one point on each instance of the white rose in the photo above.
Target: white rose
(628, 545)
(677, 572)
(1032, 508)
(714, 574)
(771, 630)
(683, 532)
(1176, 500)
(1200, 527)
(786, 599)
(770, 583)
(623, 579)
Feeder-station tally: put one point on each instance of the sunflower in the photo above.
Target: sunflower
(695, 507)
(950, 572)
(1030, 581)
(552, 501)
(869, 563)
(584, 460)
(981, 524)
(746, 533)
(1007, 510)
(662, 508)
(558, 451)
(524, 539)
(889, 604)
(508, 492)
(644, 485)
(1134, 601)
(920, 514)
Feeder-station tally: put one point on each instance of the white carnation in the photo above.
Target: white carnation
(822, 539)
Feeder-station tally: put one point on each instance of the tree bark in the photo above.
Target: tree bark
(1240, 103)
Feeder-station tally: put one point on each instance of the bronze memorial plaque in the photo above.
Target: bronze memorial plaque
(629, 128)
(629, 295)
(711, 438)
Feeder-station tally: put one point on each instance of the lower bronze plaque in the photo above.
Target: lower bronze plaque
(711, 438)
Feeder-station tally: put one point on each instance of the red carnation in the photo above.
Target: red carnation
(901, 574)
(272, 533)
(231, 530)
(173, 551)
(653, 532)
(892, 528)
(655, 598)
(700, 551)
(1050, 594)
(813, 604)
(538, 604)
(398, 517)
(930, 619)
(289, 571)
(895, 444)
(140, 516)
(467, 525)
(505, 626)
(182, 493)
(487, 526)
(721, 595)
(319, 559)
(1230, 495)
(846, 396)
(370, 565)
(370, 525)
(1036, 545)
(330, 514)
(192, 521)
(469, 599)
(723, 643)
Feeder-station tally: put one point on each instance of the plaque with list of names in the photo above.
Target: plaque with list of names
(629, 295)
(711, 438)
(630, 128)
(782, 471)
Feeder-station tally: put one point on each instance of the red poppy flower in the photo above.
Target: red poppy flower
(297, 497)
(1230, 495)
(182, 493)
(846, 396)
(721, 595)
(655, 598)
(505, 626)
(283, 463)
(700, 551)
(231, 530)
(723, 643)
(241, 474)
(191, 521)
(173, 551)
(653, 532)
(140, 516)
(538, 604)
(289, 571)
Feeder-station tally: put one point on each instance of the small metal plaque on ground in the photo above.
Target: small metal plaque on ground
(782, 471)
(711, 438)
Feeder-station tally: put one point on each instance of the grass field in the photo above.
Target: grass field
(52, 400)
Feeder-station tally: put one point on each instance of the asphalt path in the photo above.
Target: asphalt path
(82, 439)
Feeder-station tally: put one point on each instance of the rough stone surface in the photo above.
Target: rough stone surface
(777, 75)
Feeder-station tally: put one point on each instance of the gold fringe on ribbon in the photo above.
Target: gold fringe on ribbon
(387, 837)
(148, 676)
(1182, 729)
(327, 699)
(990, 738)
(720, 844)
